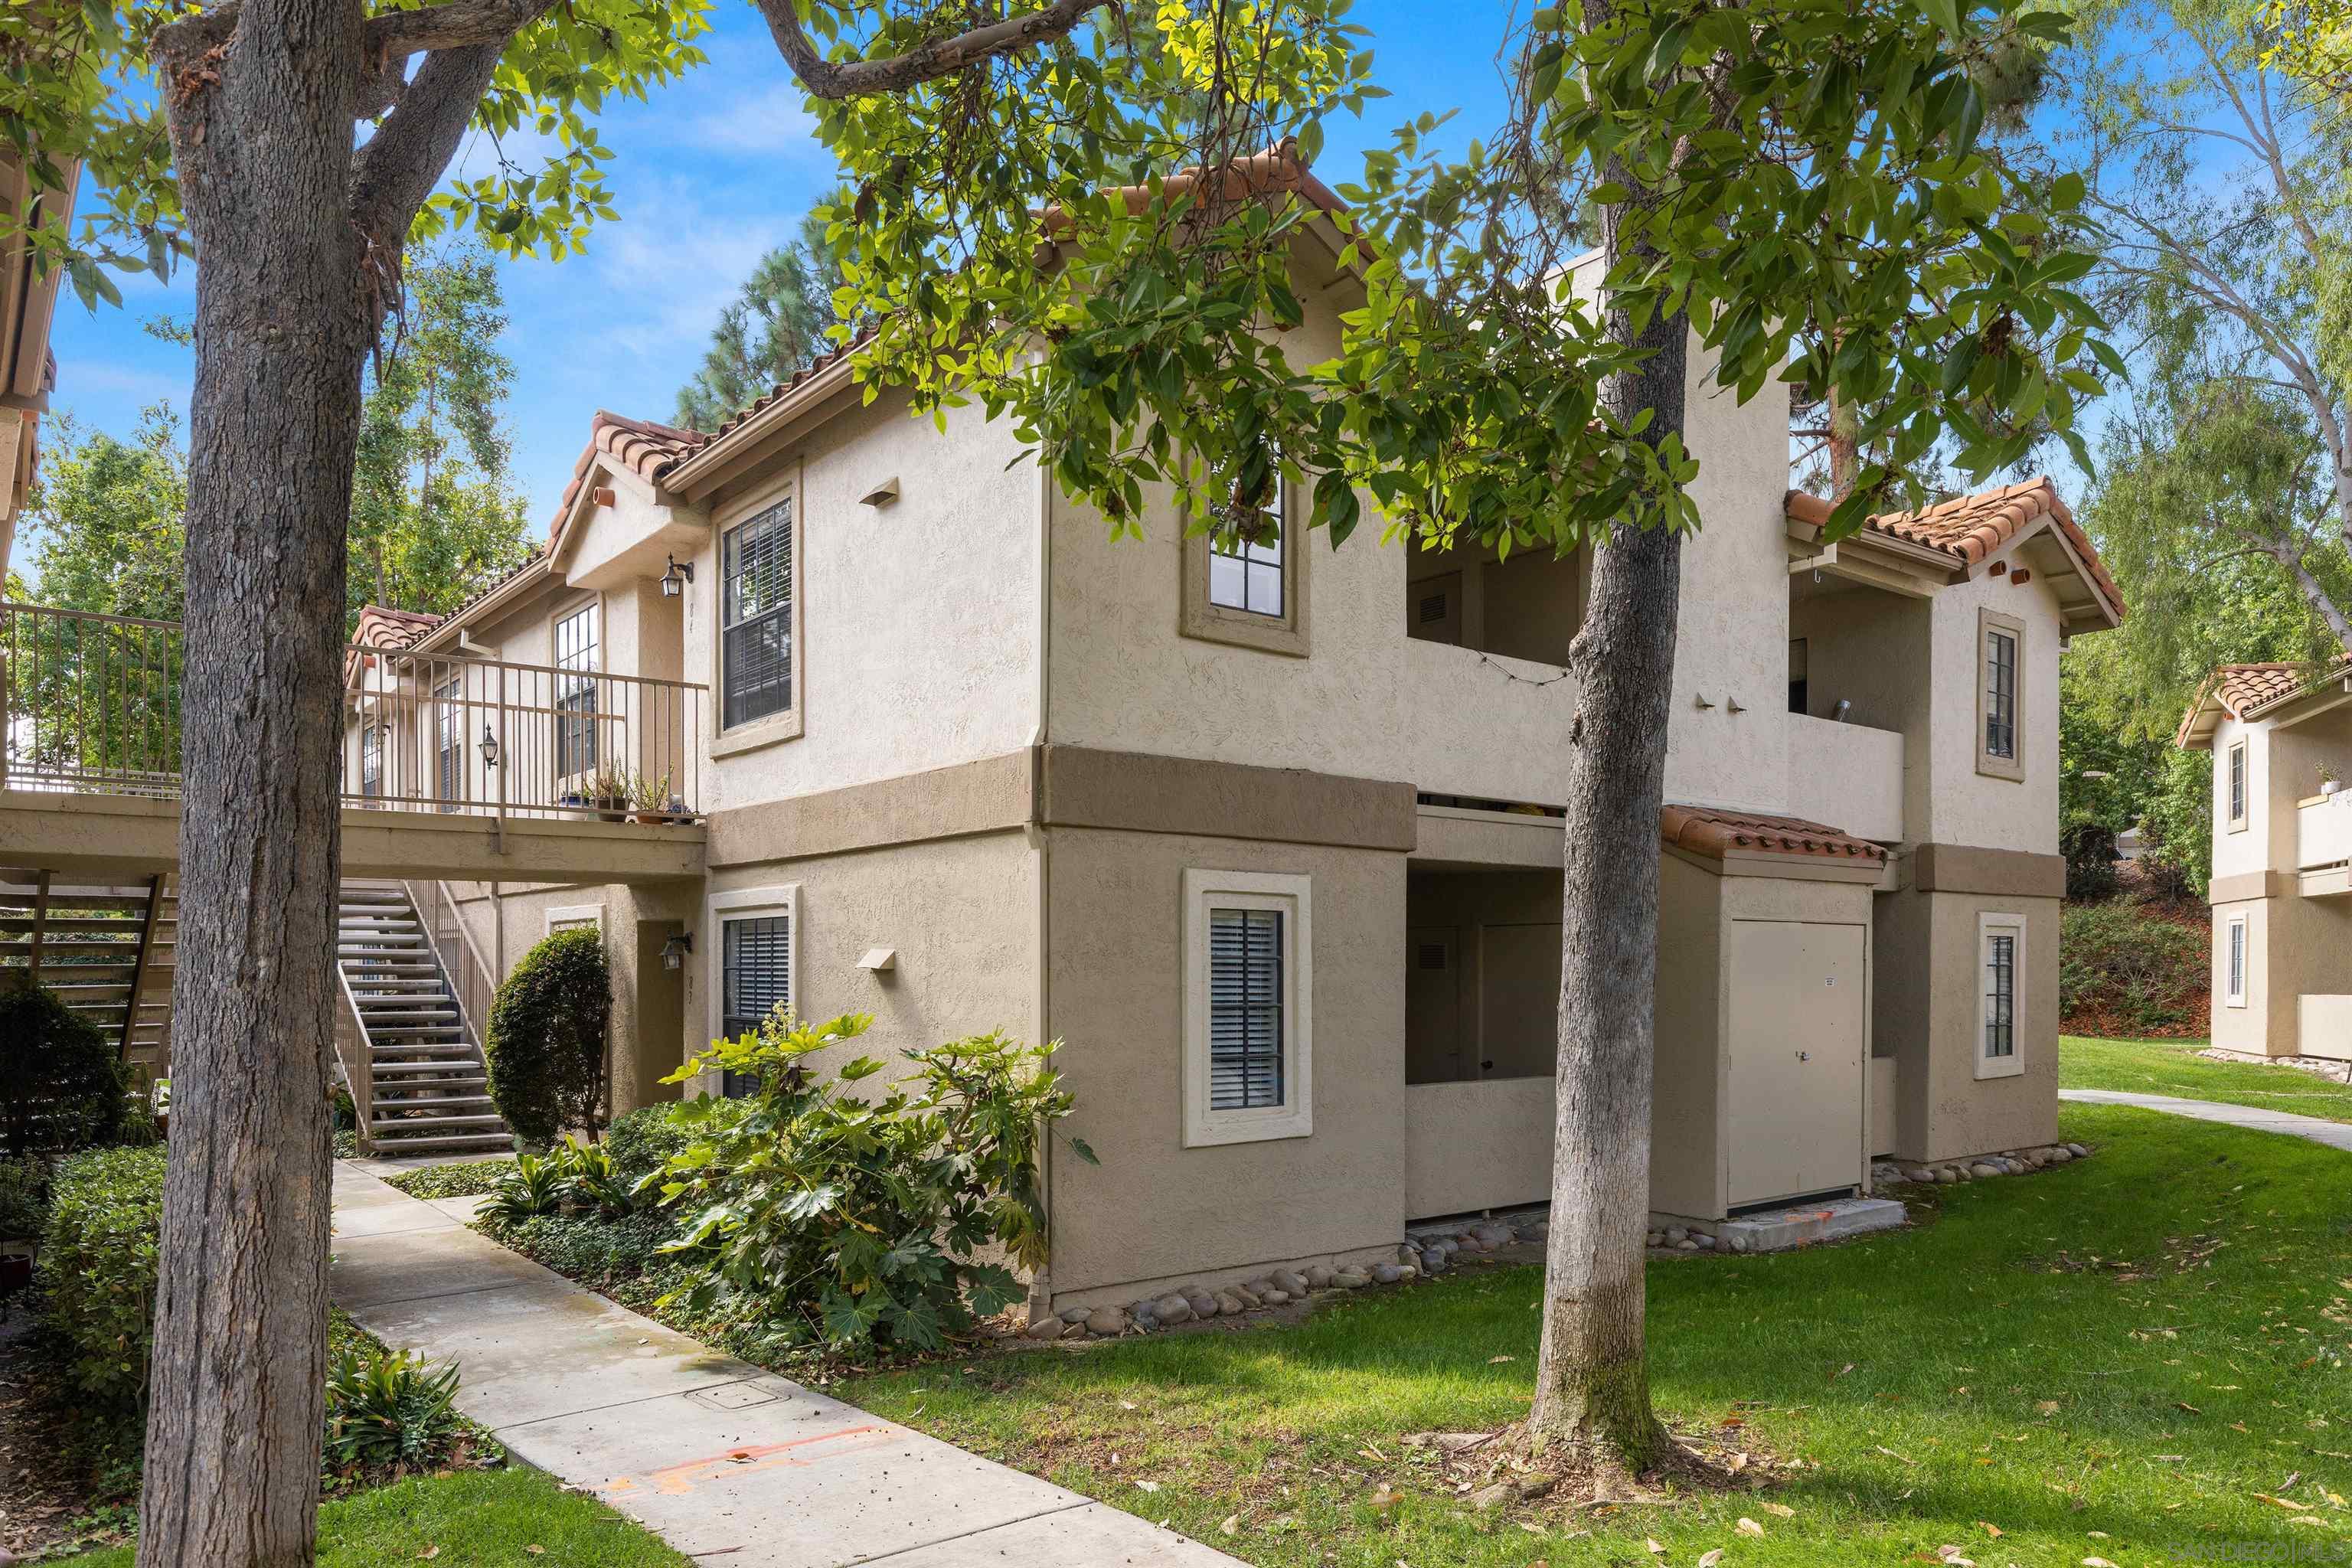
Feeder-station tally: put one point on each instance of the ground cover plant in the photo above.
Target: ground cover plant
(462, 1179)
(2175, 1068)
(2133, 1359)
(468, 1519)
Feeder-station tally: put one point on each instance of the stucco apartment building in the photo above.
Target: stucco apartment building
(1267, 838)
(2281, 736)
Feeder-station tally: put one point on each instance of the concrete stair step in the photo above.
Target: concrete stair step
(498, 1142)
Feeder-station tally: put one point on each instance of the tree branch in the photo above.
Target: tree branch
(459, 25)
(397, 167)
(895, 73)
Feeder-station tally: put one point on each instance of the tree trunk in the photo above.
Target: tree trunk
(1592, 1390)
(236, 1405)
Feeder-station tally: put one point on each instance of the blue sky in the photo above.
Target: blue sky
(709, 173)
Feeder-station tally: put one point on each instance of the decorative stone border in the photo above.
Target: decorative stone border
(1427, 1250)
(2336, 1070)
(1978, 1167)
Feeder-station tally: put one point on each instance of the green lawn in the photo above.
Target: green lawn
(476, 1518)
(2026, 1359)
(2173, 1067)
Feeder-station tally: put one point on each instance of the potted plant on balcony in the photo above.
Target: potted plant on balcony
(611, 791)
(2328, 782)
(652, 798)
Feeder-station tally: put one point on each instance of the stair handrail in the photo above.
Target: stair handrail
(359, 1067)
(472, 986)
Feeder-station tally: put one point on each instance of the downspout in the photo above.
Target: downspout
(1041, 1284)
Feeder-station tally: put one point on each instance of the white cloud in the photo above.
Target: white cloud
(109, 380)
(770, 121)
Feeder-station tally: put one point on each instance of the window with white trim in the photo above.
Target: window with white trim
(371, 759)
(2237, 785)
(755, 608)
(2234, 962)
(2000, 974)
(756, 963)
(1248, 993)
(2001, 695)
(576, 692)
(448, 743)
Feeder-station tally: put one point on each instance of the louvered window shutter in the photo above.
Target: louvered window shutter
(1245, 1023)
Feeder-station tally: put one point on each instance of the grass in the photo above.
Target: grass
(475, 1518)
(2026, 1359)
(2173, 1067)
(464, 1179)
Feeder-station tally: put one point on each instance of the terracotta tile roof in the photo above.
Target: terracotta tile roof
(2241, 690)
(380, 625)
(816, 367)
(1971, 528)
(646, 449)
(1706, 831)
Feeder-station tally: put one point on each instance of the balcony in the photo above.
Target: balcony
(1847, 776)
(2323, 828)
(451, 766)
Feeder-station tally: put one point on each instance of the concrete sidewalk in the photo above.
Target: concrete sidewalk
(712, 1454)
(2334, 1134)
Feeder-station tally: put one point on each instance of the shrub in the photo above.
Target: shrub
(24, 1198)
(534, 1185)
(643, 1142)
(2090, 851)
(594, 1247)
(546, 1037)
(848, 1221)
(97, 1266)
(387, 1407)
(61, 1085)
(461, 1179)
(2122, 970)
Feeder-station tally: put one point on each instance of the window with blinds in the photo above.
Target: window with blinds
(372, 760)
(1245, 1009)
(2238, 784)
(450, 745)
(2001, 695)
(2235, 993)
(576, 692)
(755, 979)
(2001, 995)
(756, 616)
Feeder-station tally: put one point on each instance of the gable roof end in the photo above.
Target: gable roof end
(2244, 691)
(645, 448)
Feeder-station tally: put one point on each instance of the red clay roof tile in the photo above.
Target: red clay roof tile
(1971, 528)
(1714, 833)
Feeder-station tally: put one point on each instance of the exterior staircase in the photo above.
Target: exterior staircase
(106, 950)
(426, 1089)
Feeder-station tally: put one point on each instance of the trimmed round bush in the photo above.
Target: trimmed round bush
(545, 1041)
(97, 1268)
(61, 1085)
(2122, 970)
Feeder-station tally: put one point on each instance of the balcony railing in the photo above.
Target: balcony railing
(92, 705)
(1847, 776)
(2324, 831)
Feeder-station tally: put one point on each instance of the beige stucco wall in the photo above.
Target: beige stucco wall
(2248, 1025)
(1928, 1012)
(1154, 1209)
(918, 619)
(1686, 1169)
(1873, 649)
(1961, 805)
(1475, 1146)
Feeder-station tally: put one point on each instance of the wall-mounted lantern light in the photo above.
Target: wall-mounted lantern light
(675, 950)
(674, 580)
(489, 747)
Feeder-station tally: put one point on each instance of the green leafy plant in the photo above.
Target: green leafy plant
(642, 1142)
(458, 1179)
(535, 1185)
(97, 1268)
(593, 1180)
(2122, 970)
(62, 1086)
(545, 1042)
(24, 1198)
(849, 1221)
(387, 1407)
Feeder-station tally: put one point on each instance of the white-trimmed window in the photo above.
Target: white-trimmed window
(371, 759)
(2001, 695)
(756, 957)
(1246, 565)
(2000, 976)
(574, 917)
(448, 743)
(1248, 988)
(2233, 962)
(2237, 782)
(576, 692)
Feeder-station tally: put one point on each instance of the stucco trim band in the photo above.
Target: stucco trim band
(1993, 873)
(2246, 886)
(991, 795)
(1144, 793)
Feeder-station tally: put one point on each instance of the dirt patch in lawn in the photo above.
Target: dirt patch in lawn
(56, 1494)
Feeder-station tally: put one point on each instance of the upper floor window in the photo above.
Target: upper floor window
(2000, 647)
(2237, 785)
(756, 616)
(1245, 566)
(576, 692)
(449, 744)
(2000, 941)
(372, 760)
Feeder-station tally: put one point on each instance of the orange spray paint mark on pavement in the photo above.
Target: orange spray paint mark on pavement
(677, 1480)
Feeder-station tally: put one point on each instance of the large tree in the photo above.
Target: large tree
(1798, 180)
(776, 325)
(2229, 260)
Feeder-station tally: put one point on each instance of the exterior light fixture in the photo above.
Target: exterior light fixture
(489, 747)
(674, 580)
(675, 950)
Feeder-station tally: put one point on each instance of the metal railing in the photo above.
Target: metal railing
(92, 703)
(470, 975)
